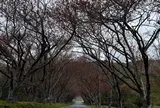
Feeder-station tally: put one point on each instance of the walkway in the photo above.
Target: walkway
(78, 104)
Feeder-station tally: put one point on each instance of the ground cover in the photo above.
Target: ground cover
(4, 104)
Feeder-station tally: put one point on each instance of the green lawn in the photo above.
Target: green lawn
(113, 107)
(93, 106)
(156, 106)
(31, 105)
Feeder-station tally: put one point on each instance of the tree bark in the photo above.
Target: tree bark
(146, 100)
(110, 100)
(12, 96)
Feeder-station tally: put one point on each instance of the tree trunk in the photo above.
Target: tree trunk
(118, 91)
(99, 91)
(143, 100)
(110, 100)
(12, 91)
(146, 100)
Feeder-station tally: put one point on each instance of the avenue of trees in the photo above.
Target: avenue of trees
(119, 38)
(122, 33)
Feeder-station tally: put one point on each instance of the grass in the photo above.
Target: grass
(31, 105)
(156, 106)
(114, 107)
(93, 106)
(155, 90)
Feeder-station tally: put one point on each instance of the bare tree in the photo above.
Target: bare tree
(117, 28)
(29, 33)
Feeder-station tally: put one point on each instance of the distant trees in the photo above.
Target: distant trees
(85, 81)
